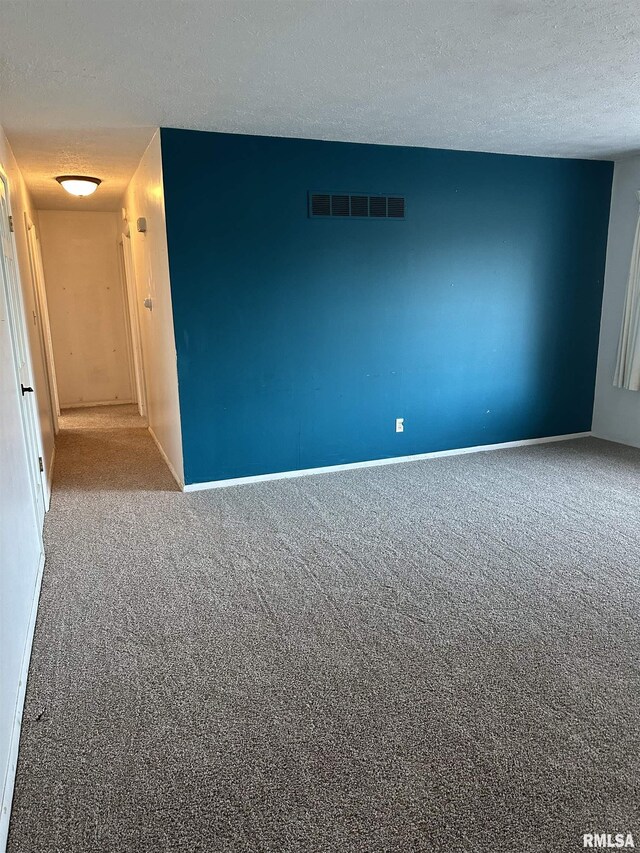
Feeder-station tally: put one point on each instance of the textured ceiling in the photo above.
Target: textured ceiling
(111, 154)
(83, 81)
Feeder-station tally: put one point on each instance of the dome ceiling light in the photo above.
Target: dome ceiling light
(79, 185)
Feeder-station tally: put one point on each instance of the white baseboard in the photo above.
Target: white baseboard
(97, 403)
(166, 460)
(7, 794)
(394, 460)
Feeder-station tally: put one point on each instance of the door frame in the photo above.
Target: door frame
(131, 302)
(42, 307)
(22, 361)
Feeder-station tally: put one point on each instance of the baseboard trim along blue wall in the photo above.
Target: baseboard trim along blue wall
(301, 339)
(376, 463)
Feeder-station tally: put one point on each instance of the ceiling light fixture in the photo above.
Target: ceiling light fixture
(79, 185)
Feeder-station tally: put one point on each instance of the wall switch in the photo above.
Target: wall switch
(399, 424)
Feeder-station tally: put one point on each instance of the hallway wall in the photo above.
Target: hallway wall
(87, 307)
(145, 198)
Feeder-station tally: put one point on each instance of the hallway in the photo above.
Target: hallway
(333, 663)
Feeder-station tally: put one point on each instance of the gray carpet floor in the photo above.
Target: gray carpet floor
(437, 656)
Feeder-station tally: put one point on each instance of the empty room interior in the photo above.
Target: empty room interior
(319, 426)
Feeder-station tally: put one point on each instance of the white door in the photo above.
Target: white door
(21, 551)
(22, 361)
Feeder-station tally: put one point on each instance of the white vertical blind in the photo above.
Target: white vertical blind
(627, 373)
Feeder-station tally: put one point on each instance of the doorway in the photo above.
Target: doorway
(135, 339)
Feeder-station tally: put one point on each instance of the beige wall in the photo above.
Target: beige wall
(87, 307)
(145, 198)
(21, 205)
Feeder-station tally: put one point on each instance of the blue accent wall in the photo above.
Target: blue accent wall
(301, 340)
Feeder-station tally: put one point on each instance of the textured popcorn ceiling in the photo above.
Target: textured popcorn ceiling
(83, 83)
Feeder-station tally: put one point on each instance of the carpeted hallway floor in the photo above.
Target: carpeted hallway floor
(438, 656)
(124, 415)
